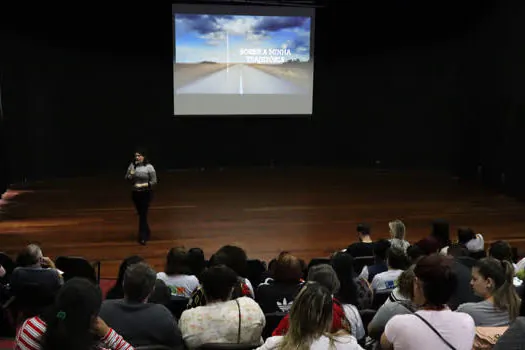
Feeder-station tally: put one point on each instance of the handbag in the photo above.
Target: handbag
(487, 337)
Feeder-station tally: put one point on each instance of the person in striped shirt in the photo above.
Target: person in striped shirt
(71, 323)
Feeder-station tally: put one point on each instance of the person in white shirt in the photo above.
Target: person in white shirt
(176, 274)
(222, 320)
(310, 324)
(434, 326)
(397, 262)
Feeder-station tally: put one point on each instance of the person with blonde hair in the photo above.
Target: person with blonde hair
(397, 232)
(310, 324)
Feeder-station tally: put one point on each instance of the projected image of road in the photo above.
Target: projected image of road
(242, 55)
(241, 79)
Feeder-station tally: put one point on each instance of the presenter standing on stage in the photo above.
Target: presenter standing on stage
(143, 176)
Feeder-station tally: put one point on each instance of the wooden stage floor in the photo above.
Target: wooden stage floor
(309, 211)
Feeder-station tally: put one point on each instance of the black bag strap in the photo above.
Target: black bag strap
(239, 330)
(435, 331)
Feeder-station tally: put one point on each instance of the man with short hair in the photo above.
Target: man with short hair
(136, 320)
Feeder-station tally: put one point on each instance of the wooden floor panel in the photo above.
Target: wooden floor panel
(308, 211)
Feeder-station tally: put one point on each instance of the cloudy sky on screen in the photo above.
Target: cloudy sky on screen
(203, 37)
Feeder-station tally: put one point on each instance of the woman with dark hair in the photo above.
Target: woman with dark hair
(441, 232)
(433, 325)
(143, 176)
(177, 273)
(492, 280)
(343, 265)
(117, 292)
(72, 323)
(311, 323)
(196, 261)
(223, 319)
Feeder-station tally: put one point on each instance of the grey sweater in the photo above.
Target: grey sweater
(144, 174)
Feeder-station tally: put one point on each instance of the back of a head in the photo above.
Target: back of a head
(363, 229)
(218, 282)
(127, 262)
(70, 319)
(441, 231)
(343, 265)
(438, 279)
(397, 259)
(139, 281)
(414, 253)
(29, 256)
(429, 245)
(288, 269)
(310, 317)
(234, 257)
(457, 250)
(465, 234)
(325, 275)
(501, 250)
(405, 282)
(397, 229)
(503, 292)
(177, 262)
(196, 261)
(380, 249)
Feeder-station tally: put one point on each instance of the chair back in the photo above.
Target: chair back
(318, 261)
(362, 261)
(366, 316)
(380, 298)
(256, 268)
(272, 321)
(74, 266)
(177, 305)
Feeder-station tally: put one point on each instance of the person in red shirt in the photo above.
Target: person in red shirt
(325, 276)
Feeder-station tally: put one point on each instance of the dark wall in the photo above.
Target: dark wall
(393, 82)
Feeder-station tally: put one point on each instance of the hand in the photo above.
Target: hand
(47, 262)
(132, 172)
(99, 327)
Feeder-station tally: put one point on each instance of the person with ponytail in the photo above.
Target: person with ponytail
(492, 280)
(71, 323)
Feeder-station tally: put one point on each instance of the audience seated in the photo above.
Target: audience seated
(222, 320)
(36, 269)
(397, 262)
(398, 303)
(161, 294)
(397, 232)
(380, 249)
(196, 261)
(311, 324)
(235, 258)
(434, 325)
(177, 273)
(492, 280)
(139, 322)
(277, 294)
(470, 240)
(326, 276)
(72, 322)
(365, 246)
(464, 292)
(117, 291)
(347, 294)
(501, 250)
(441, 232)
(514, 337)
